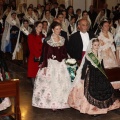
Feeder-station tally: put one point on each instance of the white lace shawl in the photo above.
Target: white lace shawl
(49, 21)
(32, 19)
(52, 42)
(65, 25)
(39, 12)
(25, 31)
(6, 34)
(18, 9)
(17, 47)
(108, 42)
(44, 32)
(99, 19)
(88, 18)
(6, 12)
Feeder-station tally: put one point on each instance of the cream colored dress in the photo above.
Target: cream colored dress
(108, 51)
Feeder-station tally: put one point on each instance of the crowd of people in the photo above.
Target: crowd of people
(44, 37)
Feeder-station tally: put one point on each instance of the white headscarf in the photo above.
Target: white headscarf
(18, 9)
(6, 34)
(18, 45)
(32, 19)
(11, 21)
(99, 19)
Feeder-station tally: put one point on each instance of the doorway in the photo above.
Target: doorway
(98, 4)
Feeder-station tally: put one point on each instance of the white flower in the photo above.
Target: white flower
(71, 61)
(53, 56)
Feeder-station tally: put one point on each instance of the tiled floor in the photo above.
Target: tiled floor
(32, 113)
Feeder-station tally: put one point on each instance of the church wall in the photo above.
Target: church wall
(112, 3)
(76, 3)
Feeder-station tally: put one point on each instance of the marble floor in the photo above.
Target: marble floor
(32, 113)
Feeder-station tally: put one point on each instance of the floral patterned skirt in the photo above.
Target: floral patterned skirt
(78, 101)
(109, 59)
(5, 104)
(51, 90)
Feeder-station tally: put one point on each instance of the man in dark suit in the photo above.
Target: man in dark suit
(107, 11)
(54, 11)
(92, 15)
(79, 41)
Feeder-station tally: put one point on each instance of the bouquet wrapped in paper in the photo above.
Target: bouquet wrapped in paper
(72, 67)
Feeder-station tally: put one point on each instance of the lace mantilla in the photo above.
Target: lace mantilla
(24, 30)
(52, 43)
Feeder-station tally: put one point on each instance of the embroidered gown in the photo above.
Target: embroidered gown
(95, 95)
(108, 51)
(51, 90)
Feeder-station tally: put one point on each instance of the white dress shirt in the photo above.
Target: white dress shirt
(85, 40)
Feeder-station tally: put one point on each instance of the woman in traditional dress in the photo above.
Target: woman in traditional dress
(35, 49)
(71, 26)
(10, 34)
(92, 92)
(70, 12)
(30, 16)
(47, 17)
(21, 9)
(65, 22)
(98, 20)
(21, 50)
(45, 28)
(39, 10)
(6, 12)
(85, 15)
(53, 82)
(64, 26)
(78, 14)
(107, 47)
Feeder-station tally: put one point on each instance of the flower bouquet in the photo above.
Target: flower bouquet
(72, 67)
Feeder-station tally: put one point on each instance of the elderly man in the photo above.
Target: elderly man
(79, 41)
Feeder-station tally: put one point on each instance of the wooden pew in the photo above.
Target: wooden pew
(10, 88)
(113, 74)
(114, 77)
